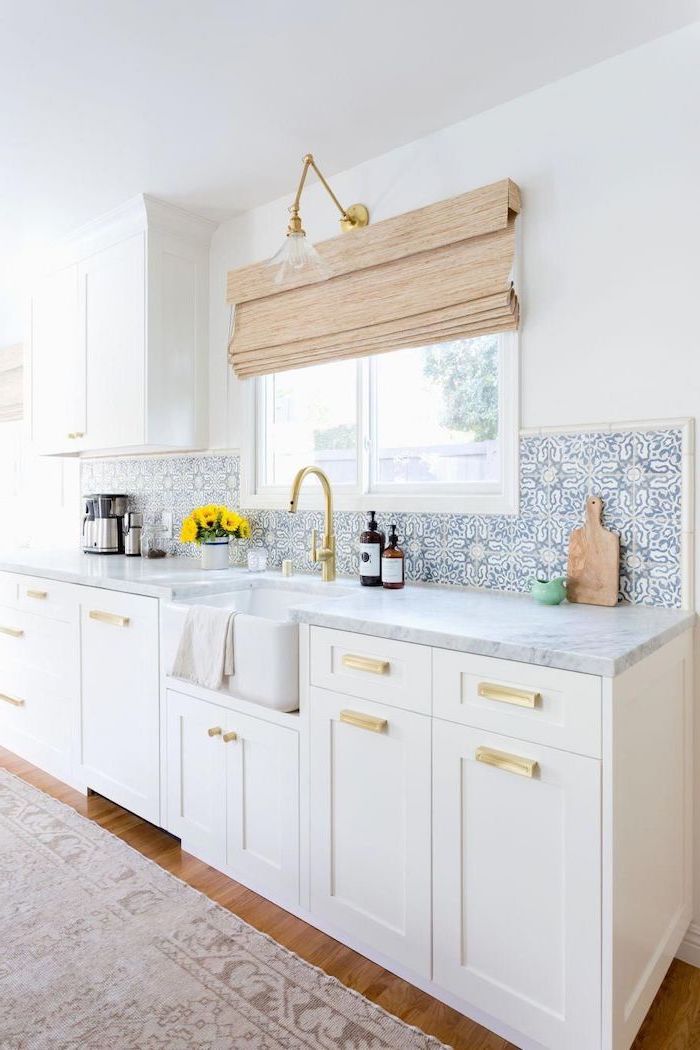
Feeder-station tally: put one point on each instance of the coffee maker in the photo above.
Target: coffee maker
(103, 523)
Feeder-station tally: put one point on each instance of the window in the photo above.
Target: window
(430, 428)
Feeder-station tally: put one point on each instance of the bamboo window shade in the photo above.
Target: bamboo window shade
(11, 384)
(442, 272)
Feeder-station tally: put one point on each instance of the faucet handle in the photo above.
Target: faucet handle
(314, 549)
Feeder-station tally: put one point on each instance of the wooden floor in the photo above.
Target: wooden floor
(673, 1023)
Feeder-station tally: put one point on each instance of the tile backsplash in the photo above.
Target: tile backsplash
(637, 472)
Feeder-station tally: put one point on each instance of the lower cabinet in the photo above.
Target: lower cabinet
(370, 824)
(39, 687)
(516, 892)
(119, 743)
(233, 793)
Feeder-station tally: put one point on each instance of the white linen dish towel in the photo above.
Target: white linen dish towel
(205, 652)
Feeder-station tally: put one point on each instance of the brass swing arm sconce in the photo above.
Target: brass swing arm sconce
(352, 218)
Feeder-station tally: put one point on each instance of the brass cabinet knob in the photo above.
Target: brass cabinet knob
(214, 731)
(227, 737)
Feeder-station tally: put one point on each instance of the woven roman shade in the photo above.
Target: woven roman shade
(439, 273)
(11, 384)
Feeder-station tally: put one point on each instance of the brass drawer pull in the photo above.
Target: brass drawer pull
(12, 700)
(507, 695)
(37, 594)
(108, 617)
(365, 663)
(227, 737)
(524, 767)
(76, 434)
(356, 718)
(214, 731)
(14, 632)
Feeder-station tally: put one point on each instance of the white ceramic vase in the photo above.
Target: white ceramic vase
(214, 554)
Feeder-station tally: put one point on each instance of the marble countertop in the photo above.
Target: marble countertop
(177, 578)
(584, 638)
(513, 627)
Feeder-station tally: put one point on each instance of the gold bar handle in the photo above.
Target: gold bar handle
(507, 695)
(366, 663)
(228, 737)
(214, 731)
(356, 718)
(524, 767)
(108, 617)
(12, 700)
(37, 594)
(14, 632)
(76, 434)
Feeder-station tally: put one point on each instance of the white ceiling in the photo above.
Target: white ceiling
(210, 104)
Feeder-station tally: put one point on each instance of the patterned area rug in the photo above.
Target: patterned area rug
(102, 949)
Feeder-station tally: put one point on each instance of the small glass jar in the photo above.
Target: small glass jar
(257, 559)
(153, 541)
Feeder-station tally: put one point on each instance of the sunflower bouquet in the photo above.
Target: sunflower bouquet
(213, 522)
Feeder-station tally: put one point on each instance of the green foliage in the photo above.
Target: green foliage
(343, 436)
(467, 371)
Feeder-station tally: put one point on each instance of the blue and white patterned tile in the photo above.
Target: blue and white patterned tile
(637, 474)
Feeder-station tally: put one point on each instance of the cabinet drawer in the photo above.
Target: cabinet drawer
(542, 704)
(396, 673)
(34, 642)
(36, 717)
(56, 601)
(8, 588)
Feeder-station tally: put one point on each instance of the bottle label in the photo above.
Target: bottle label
(369, 559)
(392, 570)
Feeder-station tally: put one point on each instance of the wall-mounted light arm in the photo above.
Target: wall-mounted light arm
(296, 253)
(354, 217)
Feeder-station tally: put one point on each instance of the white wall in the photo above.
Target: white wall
(608, 161)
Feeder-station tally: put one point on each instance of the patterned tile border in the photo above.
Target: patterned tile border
(642, 475)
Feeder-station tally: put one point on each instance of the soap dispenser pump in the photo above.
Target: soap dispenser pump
(393, 563)
(372, 542)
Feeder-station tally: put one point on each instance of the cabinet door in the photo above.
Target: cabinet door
(262, 792)
(112, 317)
(119, 741)
(57, 366)
(196, 776)
(516, 890)
(370, 824)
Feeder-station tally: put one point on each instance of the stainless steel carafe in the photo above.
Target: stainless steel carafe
(133, 523)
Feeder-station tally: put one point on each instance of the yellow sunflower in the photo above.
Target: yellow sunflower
(188, 532)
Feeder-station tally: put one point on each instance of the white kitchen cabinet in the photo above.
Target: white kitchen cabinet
(196, 776)
(58, 413)
(370, 824)
(516, 883)
(119, 710)
(111, 307)
(262, 805)
(233, 793)
(124, 366)
(39, 683)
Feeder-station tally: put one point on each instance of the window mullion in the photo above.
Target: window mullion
(364, 434)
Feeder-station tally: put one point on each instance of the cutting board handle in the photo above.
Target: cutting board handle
(594, 511)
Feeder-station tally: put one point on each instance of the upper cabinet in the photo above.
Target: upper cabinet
(119, 336)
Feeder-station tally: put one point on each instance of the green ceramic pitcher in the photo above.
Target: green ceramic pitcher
(548, 592)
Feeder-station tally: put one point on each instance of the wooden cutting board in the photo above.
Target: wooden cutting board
(593, 576)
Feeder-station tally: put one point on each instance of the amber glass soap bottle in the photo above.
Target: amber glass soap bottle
(393, 563)
(372, 542)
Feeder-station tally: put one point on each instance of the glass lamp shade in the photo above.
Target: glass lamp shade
(297, 254)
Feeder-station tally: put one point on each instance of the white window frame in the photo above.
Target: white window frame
(463, 498)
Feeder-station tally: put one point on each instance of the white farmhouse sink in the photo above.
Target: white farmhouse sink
(265, 640)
